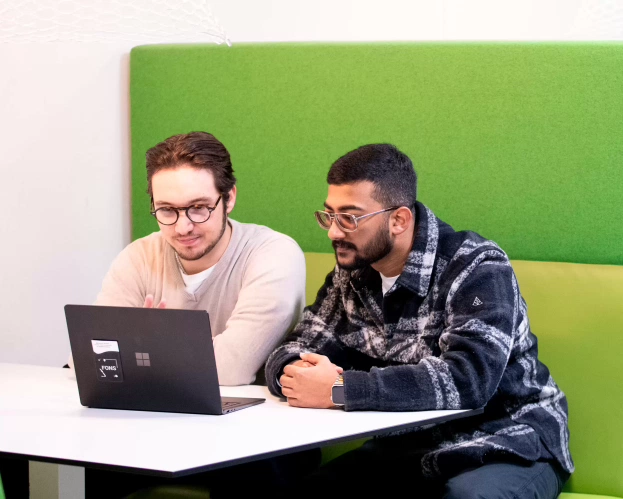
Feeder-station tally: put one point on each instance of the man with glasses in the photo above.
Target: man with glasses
(415, 317)
(249, 278)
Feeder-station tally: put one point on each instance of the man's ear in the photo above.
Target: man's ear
(400, 220)
(232, 199)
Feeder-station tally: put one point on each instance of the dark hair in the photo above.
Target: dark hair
(391, 172)
(199, 150)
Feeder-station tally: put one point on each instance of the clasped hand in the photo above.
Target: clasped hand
(308, 382)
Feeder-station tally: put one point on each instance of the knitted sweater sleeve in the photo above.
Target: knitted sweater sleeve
(269, 305)
(124, 284)
(475, 345)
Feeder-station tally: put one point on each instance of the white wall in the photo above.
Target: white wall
(345, 20)
(64, 134)
(64, 181)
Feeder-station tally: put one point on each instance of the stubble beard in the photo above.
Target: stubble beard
(190, 257)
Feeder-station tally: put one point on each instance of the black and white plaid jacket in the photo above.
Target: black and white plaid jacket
(451, 333)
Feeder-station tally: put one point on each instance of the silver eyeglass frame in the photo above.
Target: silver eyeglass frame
(333, 217)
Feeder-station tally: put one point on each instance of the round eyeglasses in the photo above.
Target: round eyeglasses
(345, 221)
(197, 214)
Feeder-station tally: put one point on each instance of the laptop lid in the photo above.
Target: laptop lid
(144, 359)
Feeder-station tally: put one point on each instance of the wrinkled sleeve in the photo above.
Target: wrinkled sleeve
(123, 285)
(269, 305)
(480, 315)
(316, 333)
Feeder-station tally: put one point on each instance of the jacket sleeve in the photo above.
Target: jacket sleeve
(480, 315)
(316, 333)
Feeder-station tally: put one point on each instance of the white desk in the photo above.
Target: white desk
(41, 419)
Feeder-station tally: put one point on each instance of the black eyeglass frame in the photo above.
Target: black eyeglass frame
(184, 209)
(333, 217)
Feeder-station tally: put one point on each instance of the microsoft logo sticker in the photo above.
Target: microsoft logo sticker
(142, 359)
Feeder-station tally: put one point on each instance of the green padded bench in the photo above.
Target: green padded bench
(575, 311)
(520, 142)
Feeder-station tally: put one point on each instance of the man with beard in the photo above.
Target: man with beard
(415, 317)
(249, 278)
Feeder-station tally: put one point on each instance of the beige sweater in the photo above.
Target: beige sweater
(255, 294)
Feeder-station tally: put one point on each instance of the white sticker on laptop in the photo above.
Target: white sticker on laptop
(101, 346)
(107, 360)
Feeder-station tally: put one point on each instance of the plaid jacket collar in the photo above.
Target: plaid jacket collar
(417, 272)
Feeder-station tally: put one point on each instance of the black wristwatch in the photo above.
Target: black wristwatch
(337, 392)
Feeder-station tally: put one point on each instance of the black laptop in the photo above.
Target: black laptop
(147, 359)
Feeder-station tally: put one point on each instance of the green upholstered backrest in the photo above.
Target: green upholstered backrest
(519, 142)
(575, 312)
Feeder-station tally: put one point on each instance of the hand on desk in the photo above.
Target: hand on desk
(308, 382)
(149, 302)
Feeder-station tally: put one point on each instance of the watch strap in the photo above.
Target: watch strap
(337, 391)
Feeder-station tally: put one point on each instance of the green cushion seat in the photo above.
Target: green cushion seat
(572, 495)
(575, 311)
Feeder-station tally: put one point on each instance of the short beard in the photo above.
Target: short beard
(211, 246)
(378, 248)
